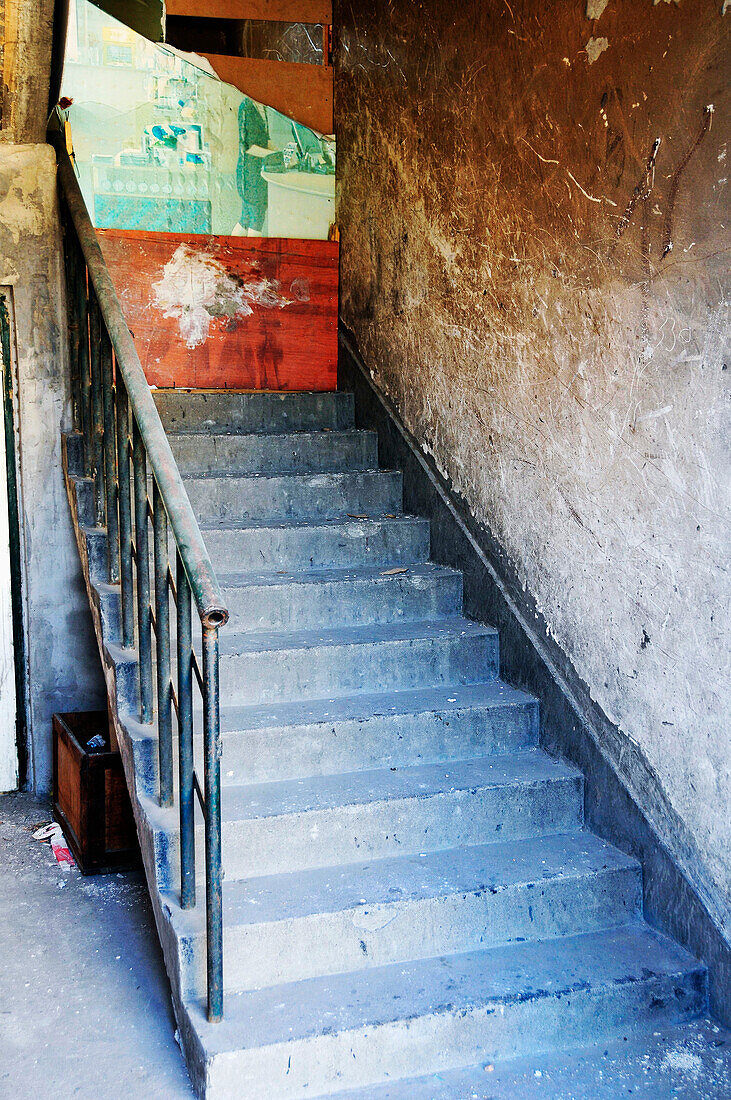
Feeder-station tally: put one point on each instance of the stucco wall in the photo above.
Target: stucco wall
(63, 664)
(27, 34)
(539, 287)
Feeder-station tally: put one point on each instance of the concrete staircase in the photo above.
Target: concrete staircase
(409, 888)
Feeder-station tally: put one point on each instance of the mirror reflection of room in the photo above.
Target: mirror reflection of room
(162, 144)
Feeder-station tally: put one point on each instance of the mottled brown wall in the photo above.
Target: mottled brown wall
(26, 34)
(545, 305)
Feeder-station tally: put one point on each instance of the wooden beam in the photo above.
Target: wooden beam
(301, 92)
(278, 11)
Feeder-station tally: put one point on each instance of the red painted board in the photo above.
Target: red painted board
(245, 313)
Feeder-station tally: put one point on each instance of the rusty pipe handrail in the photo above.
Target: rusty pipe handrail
(196, 562)
(122, 441)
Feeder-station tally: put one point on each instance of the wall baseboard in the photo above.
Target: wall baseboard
(623, 793)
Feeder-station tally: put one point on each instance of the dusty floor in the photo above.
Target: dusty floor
(85, 1004)
(84, 999)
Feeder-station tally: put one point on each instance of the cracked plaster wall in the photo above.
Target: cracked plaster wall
(539, 287)
(64, 671)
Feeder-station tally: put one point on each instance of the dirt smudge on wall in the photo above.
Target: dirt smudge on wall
(504, 208)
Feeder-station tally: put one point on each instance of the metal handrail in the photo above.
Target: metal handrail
(123, 435)
(204, 585)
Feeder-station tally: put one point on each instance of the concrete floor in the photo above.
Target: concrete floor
(85, 1004)
(84, 999)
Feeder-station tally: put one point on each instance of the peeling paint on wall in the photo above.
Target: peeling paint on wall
(595, 47)
(196, 287)
(595, 8)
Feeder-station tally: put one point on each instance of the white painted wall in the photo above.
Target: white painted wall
(8, 752)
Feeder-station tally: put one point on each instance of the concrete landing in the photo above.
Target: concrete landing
(692, 1062)
(85, 1007)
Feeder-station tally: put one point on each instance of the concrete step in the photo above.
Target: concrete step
(296, 740)
(319, 599)
(360, 1029)
(276, 667)
(281, 453)
(215, 412)
(321, 821)
(323, 544)
(310, 497)
(361, 732)
(285, 928)
(686, 1061)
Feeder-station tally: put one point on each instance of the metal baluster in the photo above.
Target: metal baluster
(142, 556)
(125, 514)
(110, 457)
(185, 736)
(82, 317)
(97, 412)
(70, 255)
(162, 636)
(212, 754)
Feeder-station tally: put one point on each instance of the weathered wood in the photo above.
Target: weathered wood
(287, 342)
(280, 11)
(90, 797)
(301, 92)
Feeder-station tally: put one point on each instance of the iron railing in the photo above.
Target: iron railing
(124, 444)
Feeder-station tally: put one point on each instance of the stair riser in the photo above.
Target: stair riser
(349, 545)
(313, 606)
(399, 826)
(292, 499)
(376, 935)
(297, 752)
(455, 1037)
(218, 412)
(318, 672)
(275, 754)
(353, 602)
(275, 454)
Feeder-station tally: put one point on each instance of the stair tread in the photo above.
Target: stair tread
(323, 792)
(291, 433)
(255, 642)
(358, 886)
(420, 570)
(492, 693)
(374, 520)
(691, 1060)
(331, 477)
(452, 984)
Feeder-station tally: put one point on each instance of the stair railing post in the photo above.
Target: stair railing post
(142, 561)
(185, 737)
(162, 647)
(110, 458)
(97, 414)
(82, 320)
(70, 258)
(212, 780)
(125, 513)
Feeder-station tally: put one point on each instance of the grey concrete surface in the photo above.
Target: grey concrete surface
(692, 1062)
(85, 1005)
(64, 671)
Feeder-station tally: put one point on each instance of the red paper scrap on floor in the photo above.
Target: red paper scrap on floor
(59, 845)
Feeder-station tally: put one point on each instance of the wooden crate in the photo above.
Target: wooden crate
(90, 797)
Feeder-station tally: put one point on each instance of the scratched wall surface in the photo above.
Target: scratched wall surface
(539, 286)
